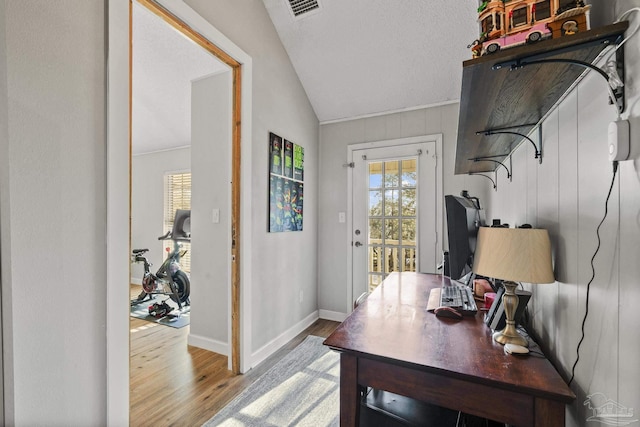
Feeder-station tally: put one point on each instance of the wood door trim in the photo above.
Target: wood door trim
(236, 67)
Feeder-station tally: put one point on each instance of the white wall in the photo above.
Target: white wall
(54, 202)
(284, 264)
(5, 241)
(209, 160)
(566, 195)
(53, 212)
(334, 140)
(147, 202)
(211, 189)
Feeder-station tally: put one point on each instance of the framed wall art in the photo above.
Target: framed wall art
(286, 184)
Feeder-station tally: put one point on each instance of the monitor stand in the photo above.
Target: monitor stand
(467, 279)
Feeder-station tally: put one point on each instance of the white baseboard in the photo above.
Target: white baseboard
(208, 344)
(336, 316)
(271, 347)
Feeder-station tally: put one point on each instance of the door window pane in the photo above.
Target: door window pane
(392, 218)
(391, 202)
(409, 232)
(375, 231)
(391, 260)
(375, 203)
(391, 177)
(374, 281)
(391, 232)
(375, 175)
(375, 259)
(409, 202)
(409, 173)
(408, 259)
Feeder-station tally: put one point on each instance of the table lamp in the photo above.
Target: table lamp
(513, 255)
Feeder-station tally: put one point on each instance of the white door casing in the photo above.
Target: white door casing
(429, 196)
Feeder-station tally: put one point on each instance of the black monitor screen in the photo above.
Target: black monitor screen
(464, 218)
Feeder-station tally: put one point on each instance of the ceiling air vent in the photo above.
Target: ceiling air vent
(303, 7)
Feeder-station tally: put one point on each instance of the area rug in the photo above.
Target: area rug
(302, 389)
(141, 311)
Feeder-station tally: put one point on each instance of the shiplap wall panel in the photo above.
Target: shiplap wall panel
(544, 180)
(566, 195)
(566, 255)
(596, 371)
(629, 295)
(629, 315)
(414, 123)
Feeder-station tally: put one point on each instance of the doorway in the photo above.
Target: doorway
(235, 66)
(396, 191)
(179, 15)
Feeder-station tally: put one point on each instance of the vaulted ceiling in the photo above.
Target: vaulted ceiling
(164, 64)
(354, 58)
(363, 57)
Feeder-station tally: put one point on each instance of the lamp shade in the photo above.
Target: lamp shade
(515, 254)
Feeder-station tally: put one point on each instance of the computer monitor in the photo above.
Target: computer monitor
(464, 218)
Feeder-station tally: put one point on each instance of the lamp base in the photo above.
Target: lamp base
(510, 335)
(506, 337)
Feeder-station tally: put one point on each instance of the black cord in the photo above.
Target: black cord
(593, 271)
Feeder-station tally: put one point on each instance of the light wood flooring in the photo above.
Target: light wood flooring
(173, 384)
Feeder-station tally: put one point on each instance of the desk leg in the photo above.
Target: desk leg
(549, 413)
(349, 395)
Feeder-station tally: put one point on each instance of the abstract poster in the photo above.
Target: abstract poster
(286, 187)
(298, 162)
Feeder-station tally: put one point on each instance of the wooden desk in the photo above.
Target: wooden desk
(390, 342)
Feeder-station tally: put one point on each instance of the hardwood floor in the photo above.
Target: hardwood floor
(173, 384)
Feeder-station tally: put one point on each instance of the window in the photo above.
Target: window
(542, 10)
(177, 195)
(567, 5)
(519, 17)
(487, 24)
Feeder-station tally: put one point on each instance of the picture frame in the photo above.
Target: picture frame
(286, 185)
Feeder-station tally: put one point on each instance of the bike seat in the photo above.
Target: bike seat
(139, 251)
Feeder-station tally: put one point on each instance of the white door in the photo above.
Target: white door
(394, 212)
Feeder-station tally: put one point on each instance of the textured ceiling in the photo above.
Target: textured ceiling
(362, 57)
(354, 58)
(164, 64)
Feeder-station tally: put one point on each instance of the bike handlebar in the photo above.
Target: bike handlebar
(166, 236)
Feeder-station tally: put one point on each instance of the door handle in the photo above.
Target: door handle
(357, 244)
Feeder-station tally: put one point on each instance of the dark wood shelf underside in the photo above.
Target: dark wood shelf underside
(505, 98)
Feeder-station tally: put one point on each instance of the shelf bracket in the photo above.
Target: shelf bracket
(617, 92)
(495, 186)
(499, 163)
(498, 131)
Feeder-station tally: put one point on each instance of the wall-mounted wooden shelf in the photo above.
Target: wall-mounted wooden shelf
(519, 99)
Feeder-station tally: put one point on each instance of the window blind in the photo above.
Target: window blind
(177, 195)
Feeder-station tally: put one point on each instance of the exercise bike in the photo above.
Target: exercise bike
(169, 279)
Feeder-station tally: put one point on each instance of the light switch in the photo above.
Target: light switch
(216, 216)
(342, 217)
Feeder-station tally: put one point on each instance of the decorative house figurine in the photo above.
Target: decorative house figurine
(509, 23)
